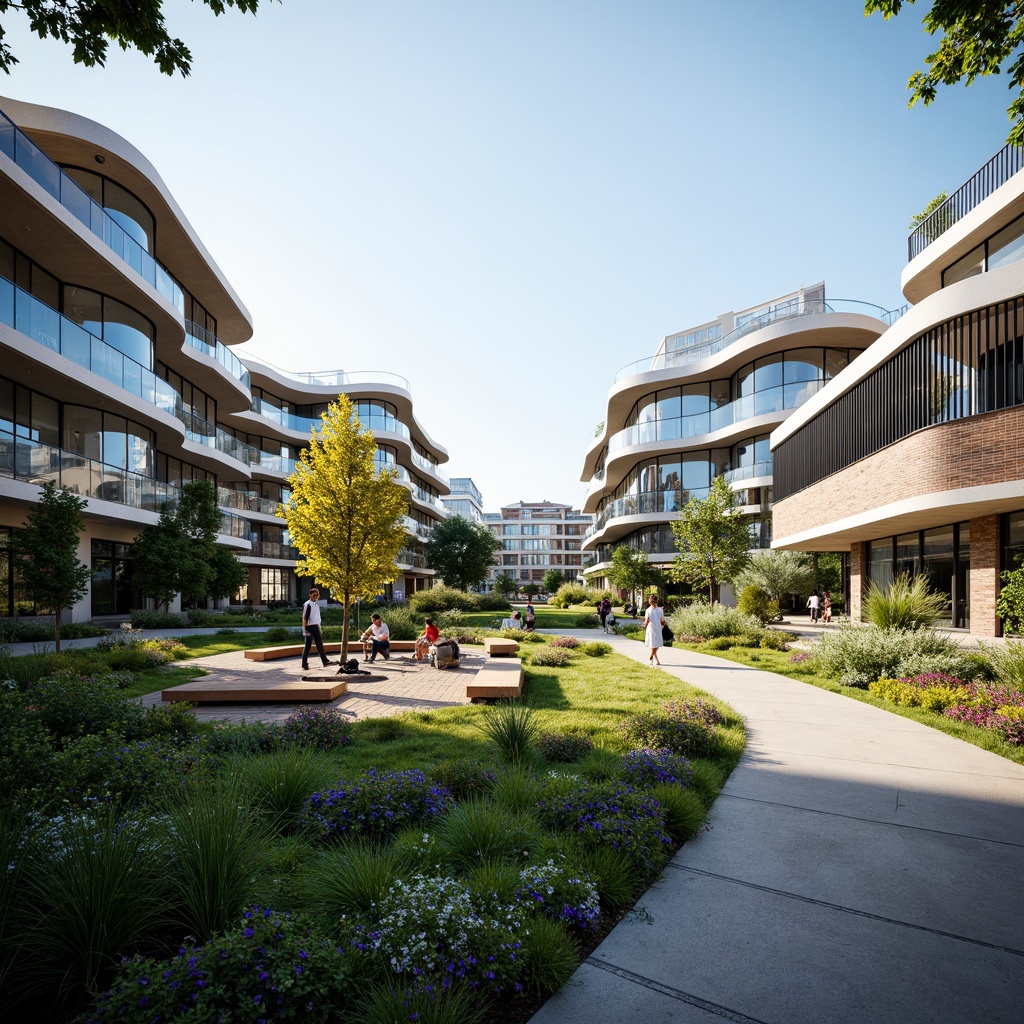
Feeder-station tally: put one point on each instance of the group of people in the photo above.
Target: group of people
(376, 638)
(821, 607)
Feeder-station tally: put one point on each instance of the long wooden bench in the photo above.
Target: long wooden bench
(330, 646)
(499, 647)
(500, 677)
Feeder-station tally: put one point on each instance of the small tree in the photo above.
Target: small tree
(553, 579)
(1010, 603)
(345, 516)
(505, 583)
(179, 555)
(778, 573)
(531, 590)
(713, 540)
(461, 551)
(46, 553)
(630, 571)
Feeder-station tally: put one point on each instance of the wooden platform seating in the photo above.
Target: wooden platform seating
(500, 677)
(355, 650)
(498, 647)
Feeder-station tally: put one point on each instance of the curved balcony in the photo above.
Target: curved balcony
(16, 145)
(340, 379)
(782, 398)
(275, 549)
(271, 463)
(429, 467)
(424, 533)
(752, 472)
(413, 559)
(228, 497)
(784, 311)
(644, 503)
(43, 324)
(205, 342)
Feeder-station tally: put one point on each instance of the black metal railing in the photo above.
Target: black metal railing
(1003, 166)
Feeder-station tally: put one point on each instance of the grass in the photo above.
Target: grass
(805, 672)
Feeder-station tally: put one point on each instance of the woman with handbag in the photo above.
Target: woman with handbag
(654, 622)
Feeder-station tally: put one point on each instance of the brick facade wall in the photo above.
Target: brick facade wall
(965, 453)
(984, 575)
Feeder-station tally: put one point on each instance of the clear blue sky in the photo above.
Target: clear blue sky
(506, 202)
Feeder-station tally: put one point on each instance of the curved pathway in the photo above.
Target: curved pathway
(859, 867)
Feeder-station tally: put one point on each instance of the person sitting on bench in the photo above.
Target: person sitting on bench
(379, 638)
(426, 638)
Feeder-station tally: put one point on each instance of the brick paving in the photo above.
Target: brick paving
(395, 686)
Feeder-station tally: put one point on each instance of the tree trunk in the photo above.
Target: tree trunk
(344, 633)
(56, 630)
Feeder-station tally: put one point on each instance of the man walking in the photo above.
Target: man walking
(814, 604)
(311, 630)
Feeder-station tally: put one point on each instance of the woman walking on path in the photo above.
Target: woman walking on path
(654, 622)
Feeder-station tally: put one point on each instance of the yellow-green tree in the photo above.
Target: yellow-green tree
(345, 515)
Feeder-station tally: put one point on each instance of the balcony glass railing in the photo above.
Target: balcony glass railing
(643, 504)
(17, 146)
(413, 558)
(43, 324)
(429, 467)
(1003, 166)
(228, 497)
(783, 311)
(339, 378)
(272, 549)
(272, 463)
(752, 472)
(205, 342)
(424, 533)
(783, 398)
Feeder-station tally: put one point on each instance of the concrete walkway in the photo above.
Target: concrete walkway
(859, 868)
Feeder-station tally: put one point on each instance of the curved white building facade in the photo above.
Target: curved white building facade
(119, 377)
(703, 407)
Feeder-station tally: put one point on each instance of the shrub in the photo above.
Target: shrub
(561, 894)
(588, 621)
(215, 840)
(684, 811)
(482, 830)
(449, 619)
(72, 705)
(143, 619)
(320, 728)
(282, 635)
(723, 643)
(1010, 603)
(517, 788)
(564, 641)
(165, 721)
(432, 929)
(600, 765)
(1008, 663)
(931, 692)
(511, 725)
(401, 623)
(608, 815)
(683, 727)
(278, 783)
(352, 878)
(269, 960)
(595, 649)
(375, 804)
(759, 603)
(492, 602)
(439, 599)
(242, 738)
(647, 768)
(95, 890)
(572, 593)
(549, 657)
(461, 635)
(775, 640)
(695, 710)
(709, 621)
(906, 603)
(858, 655)
(707, 780)
(564, 747)
(464, 778)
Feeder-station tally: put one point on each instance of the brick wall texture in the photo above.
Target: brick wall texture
(972, 452)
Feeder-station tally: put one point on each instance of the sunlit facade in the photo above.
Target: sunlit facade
(120, 378)
(703, 406)
(911, 461)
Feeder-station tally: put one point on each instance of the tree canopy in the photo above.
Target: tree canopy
(778, 573)
(553, 579)
(713, 540)
(977, 37)
(461, 551)
(345, 515)
(89, 26)
(179, 555)
(629, 571)
(506, 583)
(46, 553)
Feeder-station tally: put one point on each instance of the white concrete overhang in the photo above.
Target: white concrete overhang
(921, 512)
(71, 139)
(922, 276)
(964, 296)
(824, 330)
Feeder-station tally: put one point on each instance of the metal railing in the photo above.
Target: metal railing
(201, 339)
(17, 146)
(784, 311)
(339, 378)
(758, 469)
(999, 170)
(228, 497)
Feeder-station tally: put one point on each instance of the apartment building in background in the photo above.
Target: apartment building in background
(703, 406)
(120, 378)
(536, 537)
(912, 459)
(465, 499)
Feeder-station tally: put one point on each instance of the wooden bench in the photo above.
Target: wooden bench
(330, 647)
(497, 646)
(500, 677)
